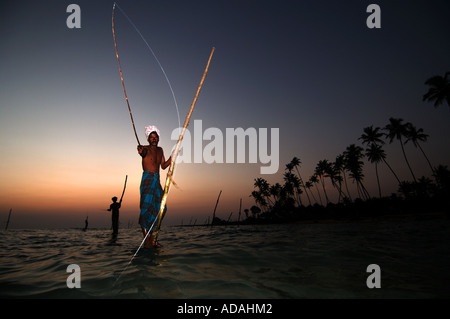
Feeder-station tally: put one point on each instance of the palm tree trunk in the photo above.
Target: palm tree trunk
(312, 194)
(307, 195)
(378, 179)
(320, 197)
(301, 182)
(407, 162)
(346, 186)
(324, 191)
(358, 190)
(426, 157)
(396, 177)
(299, 199)
(341, 192)
(365, 192)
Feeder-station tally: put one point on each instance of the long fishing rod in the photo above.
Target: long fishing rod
(155, 57)
(121, 76)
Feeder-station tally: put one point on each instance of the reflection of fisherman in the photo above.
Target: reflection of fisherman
(150, 189)
(114, 208)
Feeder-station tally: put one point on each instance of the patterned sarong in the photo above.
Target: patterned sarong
(151, 195)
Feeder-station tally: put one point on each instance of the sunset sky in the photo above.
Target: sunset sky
(312, 69)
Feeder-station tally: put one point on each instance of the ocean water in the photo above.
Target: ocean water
(265, 261)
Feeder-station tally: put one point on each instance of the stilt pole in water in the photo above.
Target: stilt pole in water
(214, 213)
(124, 186)
(9, 216)
(170, 173)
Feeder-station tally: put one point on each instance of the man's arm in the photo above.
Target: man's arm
(164, 163)
(142, 150)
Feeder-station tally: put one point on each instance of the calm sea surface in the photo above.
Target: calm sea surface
(276, 261)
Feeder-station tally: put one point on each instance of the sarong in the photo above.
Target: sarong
(151, 196)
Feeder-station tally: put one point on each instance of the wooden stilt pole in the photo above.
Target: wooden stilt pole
(169, 178)
(124, 186)
(9, 216)
(214, 213)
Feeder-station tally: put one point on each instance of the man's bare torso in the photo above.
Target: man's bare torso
(152, 157)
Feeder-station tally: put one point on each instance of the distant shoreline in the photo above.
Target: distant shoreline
(366, 219)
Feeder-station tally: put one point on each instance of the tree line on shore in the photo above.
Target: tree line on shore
(298, 198)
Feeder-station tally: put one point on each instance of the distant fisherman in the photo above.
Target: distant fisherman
(114, 209)
(151, 190)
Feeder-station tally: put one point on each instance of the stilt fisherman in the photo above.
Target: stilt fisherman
(151, 190)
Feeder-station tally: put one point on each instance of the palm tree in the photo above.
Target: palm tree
(397, 130)
(415, 135)
(259, 199)
(255, 211)
(353, 161)
(439, 90)
(308, 186)
(376, 154)
(321, 171)
(275, 191)
(263, 195)
(295, 163)
(292, 187)
(339, 163)
(334, 174)
(373, 136)
(442, 176)
(313, 180)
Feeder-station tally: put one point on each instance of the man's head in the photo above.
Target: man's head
(152, 134)
(151, 128)
(153, 139)
(114, 199)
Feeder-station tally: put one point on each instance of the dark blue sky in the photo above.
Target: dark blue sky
(310, 68)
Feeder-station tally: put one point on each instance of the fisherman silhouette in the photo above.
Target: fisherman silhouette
(114, 208)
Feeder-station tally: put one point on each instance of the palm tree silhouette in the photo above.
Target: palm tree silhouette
(262, 196)
(259, 199)
(314, 180)
(340, 165)
(309, 185)
(295, 163)
(415, 135)
(376, 154)
(321, 173)
(292, 186)
(397, 130)
(353, 161)
(439, 90)
(442, 176)
(333, 172)
(373, 136)
(276, 191)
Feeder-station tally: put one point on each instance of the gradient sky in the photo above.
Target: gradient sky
(313, 69)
